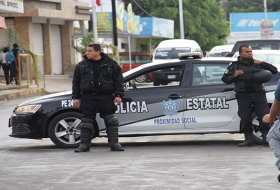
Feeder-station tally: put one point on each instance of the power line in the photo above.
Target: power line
(142, 8)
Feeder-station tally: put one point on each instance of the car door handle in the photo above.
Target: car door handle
(174, 96)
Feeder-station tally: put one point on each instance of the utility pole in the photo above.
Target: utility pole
(94, 22)
(181, 19)
(265, 10)
(114, 17)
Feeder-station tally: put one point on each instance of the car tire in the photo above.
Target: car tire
(257, 135)
(62, 130)
(141, 79)
(156, 82)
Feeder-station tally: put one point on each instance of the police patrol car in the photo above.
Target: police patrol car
(188, 98)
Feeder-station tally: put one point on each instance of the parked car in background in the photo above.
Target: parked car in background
(269, 56)
(137, 59)
(220, 51)
(170, 49)
(257, 44)
(190, 104)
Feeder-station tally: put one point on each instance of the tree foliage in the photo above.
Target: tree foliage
(232, 6)
(203, 19)
(88, 39)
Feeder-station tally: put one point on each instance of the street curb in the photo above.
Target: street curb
(22, 94)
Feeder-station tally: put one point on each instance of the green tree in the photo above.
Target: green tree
(88, 39)
(11, 36)
(232, 6)
(203, 19)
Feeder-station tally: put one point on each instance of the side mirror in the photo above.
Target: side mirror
(225, 53)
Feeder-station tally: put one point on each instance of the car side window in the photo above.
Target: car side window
(157, 78)
(142, 59)
(124, 59)
(208, 74)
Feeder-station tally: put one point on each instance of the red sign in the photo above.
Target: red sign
(98, 3)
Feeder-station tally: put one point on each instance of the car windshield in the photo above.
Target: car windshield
(170, 53)
(273, 58)
(259, 45)
(220, 54)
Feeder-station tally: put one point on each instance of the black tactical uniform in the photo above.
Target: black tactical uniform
(96, 84)
(250, 96)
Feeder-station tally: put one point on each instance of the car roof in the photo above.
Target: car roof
(268, 51)
(166, 62)
(218, 59)
(259, 39)
(221, 48)
(257, 51)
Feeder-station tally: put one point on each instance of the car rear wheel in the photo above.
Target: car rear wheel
(141, 79)
(156, 82)
(63, 130)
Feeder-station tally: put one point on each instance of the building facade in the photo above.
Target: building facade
(46, 27)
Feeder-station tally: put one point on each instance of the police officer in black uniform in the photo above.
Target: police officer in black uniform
(250, 93)
(97, 83)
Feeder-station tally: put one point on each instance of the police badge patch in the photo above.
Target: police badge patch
(170, 107)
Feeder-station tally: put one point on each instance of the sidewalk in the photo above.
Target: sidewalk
(54, 83)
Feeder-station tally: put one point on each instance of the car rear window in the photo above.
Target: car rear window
(140, 59)
(258, 44)
(171, 53)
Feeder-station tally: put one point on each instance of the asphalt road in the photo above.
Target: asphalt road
(192, 162)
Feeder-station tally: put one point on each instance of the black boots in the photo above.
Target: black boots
(264, 143)
(85, 140)
(112, 133)
(248, 140)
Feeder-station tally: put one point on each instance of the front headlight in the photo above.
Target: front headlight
(27, 109)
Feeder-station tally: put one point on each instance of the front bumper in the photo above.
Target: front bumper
(26, 126)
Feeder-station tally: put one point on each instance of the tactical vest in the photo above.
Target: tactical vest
(245, 82)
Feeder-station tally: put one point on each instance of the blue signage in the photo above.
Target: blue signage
(250, 22)
(156, 27)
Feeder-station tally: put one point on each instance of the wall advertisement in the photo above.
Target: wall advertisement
(132, 25)
(253, 24)
(12, 6)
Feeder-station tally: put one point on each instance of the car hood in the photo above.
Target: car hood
(46, 97)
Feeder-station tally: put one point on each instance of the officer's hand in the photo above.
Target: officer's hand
(266, 119)
(257, 62)
(238, 72)
(76, 103)
(117, 100)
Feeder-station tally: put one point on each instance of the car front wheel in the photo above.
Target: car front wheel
(63, 130)
(141, 79)
(257, 135)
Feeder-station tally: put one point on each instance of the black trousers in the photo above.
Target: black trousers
(14, 71)
(8, 76)
(249, 102)
(91, 103)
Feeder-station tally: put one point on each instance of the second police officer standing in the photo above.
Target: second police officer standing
(97, 83)
(250, 94)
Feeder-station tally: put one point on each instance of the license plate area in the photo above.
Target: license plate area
(171, 76)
